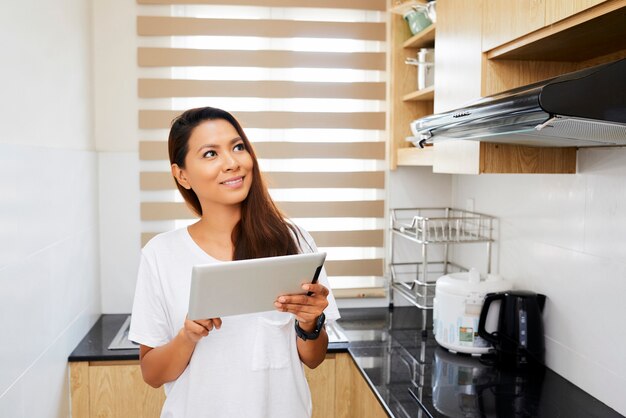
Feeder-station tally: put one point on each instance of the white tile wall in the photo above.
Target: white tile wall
(565, 236)
(120, 232)
(49, 269)
(49, 376)
(117, 140)
(50, 288)
(12, 402)
(46, 73)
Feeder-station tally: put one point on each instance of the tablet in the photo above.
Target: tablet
(249, 286)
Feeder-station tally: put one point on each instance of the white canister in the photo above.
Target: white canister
(456, 310)
(425, 68)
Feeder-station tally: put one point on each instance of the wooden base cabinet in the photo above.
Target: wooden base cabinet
(115, 389)
(358, 398)
(112, 389)
(338, 390)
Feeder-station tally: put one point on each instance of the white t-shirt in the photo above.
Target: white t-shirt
(248, 368)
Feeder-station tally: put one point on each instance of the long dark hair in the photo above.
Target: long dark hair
(263, 230)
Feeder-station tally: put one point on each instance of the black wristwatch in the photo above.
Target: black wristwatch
(313, 334)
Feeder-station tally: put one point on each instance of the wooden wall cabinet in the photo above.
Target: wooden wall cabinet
(560, 9)
(458, 73)
(487, 46)
(505, 20)
(572, 38)
(508, 20)
(115, 389)
(463, 74)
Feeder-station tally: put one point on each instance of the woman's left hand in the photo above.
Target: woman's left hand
(306, 308)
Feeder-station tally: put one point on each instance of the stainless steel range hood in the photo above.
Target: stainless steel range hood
(579, 109)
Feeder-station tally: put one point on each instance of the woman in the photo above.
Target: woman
(237, 366)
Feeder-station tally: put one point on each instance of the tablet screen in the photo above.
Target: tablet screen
(254, 284)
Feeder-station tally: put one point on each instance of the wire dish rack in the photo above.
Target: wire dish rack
(442, 227)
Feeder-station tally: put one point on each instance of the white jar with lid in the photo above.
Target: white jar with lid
(456, 309)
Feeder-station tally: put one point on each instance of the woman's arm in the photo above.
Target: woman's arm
(307, 309)
(165, 363)
(312, 352)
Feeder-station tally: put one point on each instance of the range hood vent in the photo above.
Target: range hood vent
(580, 109)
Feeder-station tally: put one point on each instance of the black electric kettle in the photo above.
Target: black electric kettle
(518, 340)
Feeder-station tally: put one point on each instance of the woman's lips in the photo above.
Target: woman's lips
(233, 183)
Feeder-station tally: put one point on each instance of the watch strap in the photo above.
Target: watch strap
(313, 334)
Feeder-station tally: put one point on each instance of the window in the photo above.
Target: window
(308, 86)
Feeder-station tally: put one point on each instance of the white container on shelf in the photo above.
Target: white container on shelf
(425, 68)
(458, 301)
(425, 63)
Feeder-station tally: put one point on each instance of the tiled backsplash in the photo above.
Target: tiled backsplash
(565, 236)
(49, 263)
(120, 242)
(50, 291)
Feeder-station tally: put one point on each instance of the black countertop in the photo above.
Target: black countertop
(94, 346)
(412, 376)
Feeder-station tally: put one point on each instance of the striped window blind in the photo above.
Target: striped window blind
(307, 81)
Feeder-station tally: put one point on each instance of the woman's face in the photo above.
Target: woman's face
(217, 167)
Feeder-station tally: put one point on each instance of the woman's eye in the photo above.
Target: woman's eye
(210, 153)
(239, 147)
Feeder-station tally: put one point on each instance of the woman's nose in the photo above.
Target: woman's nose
(230, 162)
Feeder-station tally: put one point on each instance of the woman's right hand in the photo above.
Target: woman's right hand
(167, 362)
(200, 328)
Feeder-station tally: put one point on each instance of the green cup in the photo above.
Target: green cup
(418, 20)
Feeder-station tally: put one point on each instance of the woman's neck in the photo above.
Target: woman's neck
(213, 232)
(220, 220)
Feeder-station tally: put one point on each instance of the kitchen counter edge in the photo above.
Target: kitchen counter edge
(94, 346)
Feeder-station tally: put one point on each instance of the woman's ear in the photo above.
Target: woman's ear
(179, 175)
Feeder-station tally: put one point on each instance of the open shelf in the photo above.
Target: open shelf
(414, 156)
(593, 33)
(402, 7)
(420, 95)
(405, 103)
(423, 39)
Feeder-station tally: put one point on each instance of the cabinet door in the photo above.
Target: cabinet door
(560, 9)
(322, 384)
(458, 66)
(364, 402)
(458, 57)
(505, 20)
(118, 391)
(354, 397)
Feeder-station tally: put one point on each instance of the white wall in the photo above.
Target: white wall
(565, 236)
(120, 242)
(116, 134)
(415, 187)
(49, 271)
